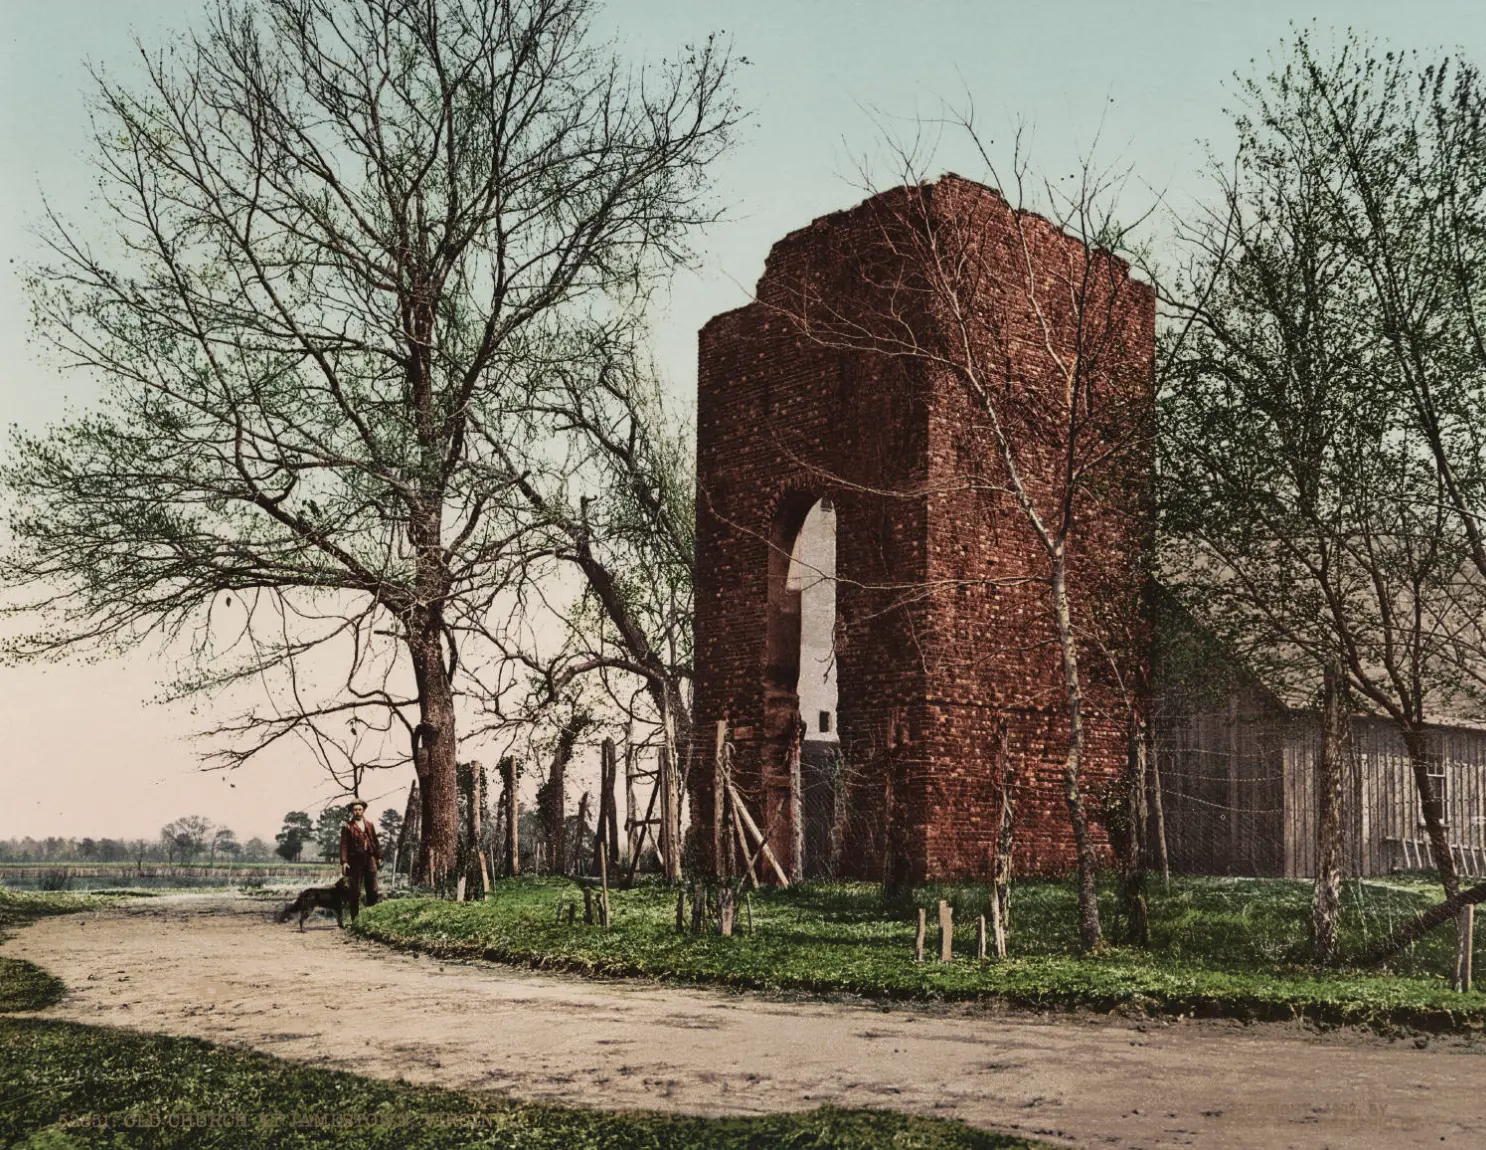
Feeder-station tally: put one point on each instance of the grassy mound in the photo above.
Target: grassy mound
(63, 1084)
(1220, 947)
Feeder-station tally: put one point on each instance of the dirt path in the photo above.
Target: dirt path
(215, 968)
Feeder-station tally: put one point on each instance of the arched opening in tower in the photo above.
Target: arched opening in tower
(812, 575)
(800, 692)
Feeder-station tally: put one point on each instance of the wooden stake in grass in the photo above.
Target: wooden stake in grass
(946, 932)
(918, 943)
(998, 928)
(980, 938)
(1465, 928)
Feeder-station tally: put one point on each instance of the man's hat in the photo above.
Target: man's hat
(356, 803)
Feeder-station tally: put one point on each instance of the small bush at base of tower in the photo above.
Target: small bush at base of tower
(1220, 947)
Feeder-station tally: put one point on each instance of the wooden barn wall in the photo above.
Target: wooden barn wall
(1223, 789)
(1382, 819)
(1239, 791)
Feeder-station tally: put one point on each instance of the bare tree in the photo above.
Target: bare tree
(350, 242)
(611, 552)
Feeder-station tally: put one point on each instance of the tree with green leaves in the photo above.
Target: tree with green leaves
(1320, 488)
(185, 838)
(296, 831)
(345, 248)
(327, 832)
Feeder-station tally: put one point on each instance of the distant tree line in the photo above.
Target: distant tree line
(191, 839)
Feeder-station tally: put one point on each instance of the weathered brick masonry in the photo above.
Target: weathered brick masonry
(947, 663)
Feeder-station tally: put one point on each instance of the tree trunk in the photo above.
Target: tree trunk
(1132, 870)
(1424, 922)
(1329, 775)
(435, 750)
(552, 798)
(510, 774)
(1088, 862)
(1434, 811)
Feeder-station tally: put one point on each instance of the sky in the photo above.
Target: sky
(85, 752)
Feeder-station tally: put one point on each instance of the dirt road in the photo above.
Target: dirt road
(216, 968)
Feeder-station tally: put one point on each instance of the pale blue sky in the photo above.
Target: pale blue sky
(82, 757)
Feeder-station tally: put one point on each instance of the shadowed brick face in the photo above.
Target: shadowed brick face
(948, 669)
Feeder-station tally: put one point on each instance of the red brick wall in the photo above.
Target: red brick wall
(947, 664)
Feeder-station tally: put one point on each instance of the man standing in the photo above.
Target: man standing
(361, 856)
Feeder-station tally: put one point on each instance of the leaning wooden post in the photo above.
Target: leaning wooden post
(980, 938)
(918, 942)
(719, 772)
(741, 810)
(946, 932)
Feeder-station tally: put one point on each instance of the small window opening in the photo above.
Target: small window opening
(825, 722)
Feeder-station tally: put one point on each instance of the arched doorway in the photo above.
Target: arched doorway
(800, 683)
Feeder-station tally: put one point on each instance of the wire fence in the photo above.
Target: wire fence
(1239, 796)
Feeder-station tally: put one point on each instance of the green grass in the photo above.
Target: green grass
(63, 1084)
(1220, 948)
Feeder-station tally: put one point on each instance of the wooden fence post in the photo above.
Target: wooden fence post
(1465, 935)
(946, 932)
(980, 938)
(918, 944)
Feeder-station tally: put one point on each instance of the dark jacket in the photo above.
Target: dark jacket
(359, 843)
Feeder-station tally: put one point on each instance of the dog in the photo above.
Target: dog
(330, 897)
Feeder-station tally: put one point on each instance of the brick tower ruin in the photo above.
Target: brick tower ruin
(833, 398)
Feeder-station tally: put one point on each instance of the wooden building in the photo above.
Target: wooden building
(1237, 770)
